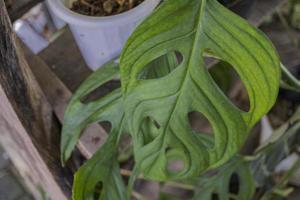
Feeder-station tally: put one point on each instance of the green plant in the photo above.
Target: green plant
(164, 78)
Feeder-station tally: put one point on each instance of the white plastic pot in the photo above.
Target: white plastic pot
(58, 22)
(101, 39)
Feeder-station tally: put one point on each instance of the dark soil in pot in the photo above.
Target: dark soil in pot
(240, 7)
(113, 7)
(103, 7)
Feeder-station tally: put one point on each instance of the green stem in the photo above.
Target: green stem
(288, 80)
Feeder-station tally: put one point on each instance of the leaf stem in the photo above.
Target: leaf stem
(288, 80)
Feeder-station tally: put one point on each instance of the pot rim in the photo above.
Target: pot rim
(73, 18)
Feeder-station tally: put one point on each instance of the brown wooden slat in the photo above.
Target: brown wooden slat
(28, 130)
(20, 7)
(64, 58)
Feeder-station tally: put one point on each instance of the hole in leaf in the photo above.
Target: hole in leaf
(229, 82)
(221, 73)
(106, 125)
(161, 66)
(94, 138)
(156, 124)
(125, 149)
(150, 130)
(175, 164)
(234, 184)
(101, 91)
(98, 190)
(253, 141)
(202, 128)
(200, 123)
(179, 57)
(238, 93)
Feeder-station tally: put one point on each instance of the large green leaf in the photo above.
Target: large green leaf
(194, 28)
(156, 98)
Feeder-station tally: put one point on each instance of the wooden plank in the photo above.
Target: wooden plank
(59, 95)
(17, 8)
(64, 58)
(28, 131)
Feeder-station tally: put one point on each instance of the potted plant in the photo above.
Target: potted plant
(164, 78)
(101, 38)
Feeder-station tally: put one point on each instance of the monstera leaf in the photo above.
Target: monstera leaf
(164, 78)
(193, 29)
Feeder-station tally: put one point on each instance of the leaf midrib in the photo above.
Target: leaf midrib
(191, 56)
(126, 84)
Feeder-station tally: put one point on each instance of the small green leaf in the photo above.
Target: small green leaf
(219, 184)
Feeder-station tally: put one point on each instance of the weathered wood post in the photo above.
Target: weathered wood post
(28, 130)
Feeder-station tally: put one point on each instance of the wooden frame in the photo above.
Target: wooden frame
(28, 130)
